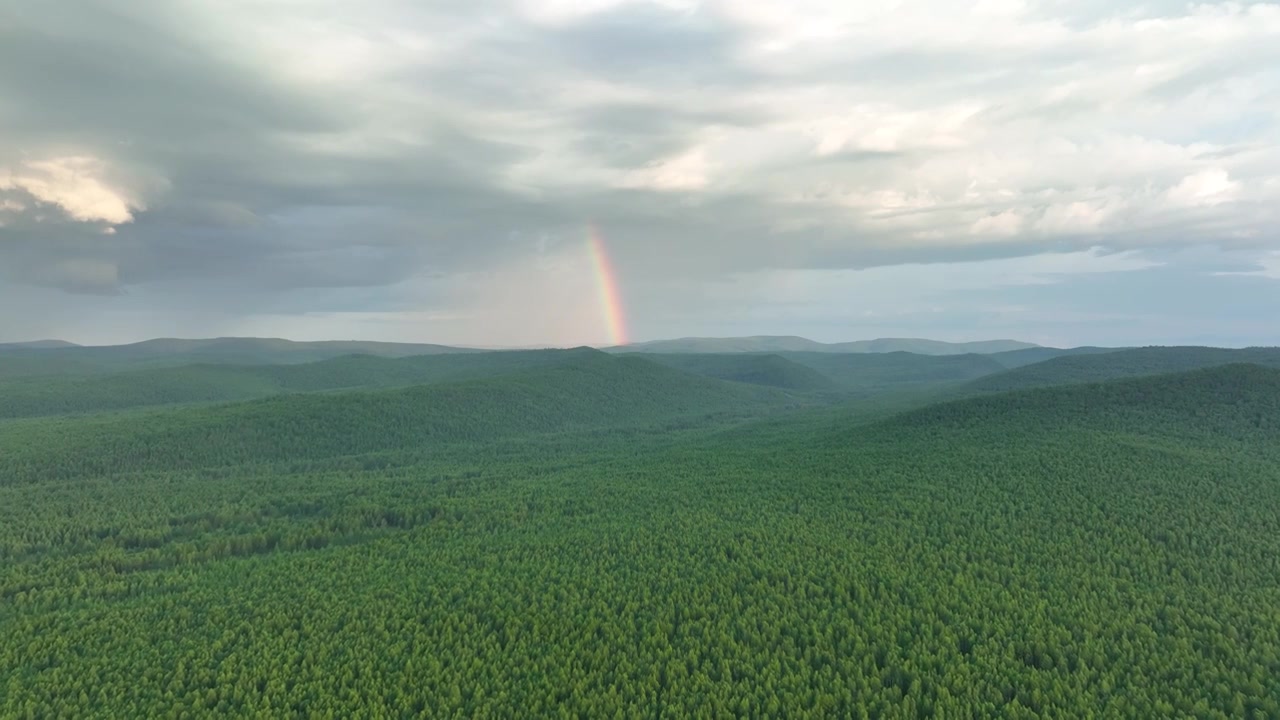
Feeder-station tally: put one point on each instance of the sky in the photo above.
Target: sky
(1065, 173)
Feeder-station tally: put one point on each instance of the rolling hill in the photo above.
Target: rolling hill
(585, 538)
(1028, 356)
(1134, 362)
(1235, 401)
(869, 371)
(593, 391)
(37, 396)
(757, 369)
(776, 344)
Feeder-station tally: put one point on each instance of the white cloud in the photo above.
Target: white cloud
(1208, 187)
(687, 171)
(1079, 216)
(74, 184)
(1005, 224)
(563, 12)
(1008, 120)
(889, 129)
(9, 208)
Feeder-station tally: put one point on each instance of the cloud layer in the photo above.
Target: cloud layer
(425, 171)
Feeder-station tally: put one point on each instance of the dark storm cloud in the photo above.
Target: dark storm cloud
(240, 158)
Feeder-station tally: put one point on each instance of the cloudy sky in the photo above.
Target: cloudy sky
(1058, 171)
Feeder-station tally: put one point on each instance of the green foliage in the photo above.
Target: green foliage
(1027, 356)
(872, 371)
(40, 396)
(98, 390)
(1102, 550)
(594, 391)
(771, 370)
(1237, 402)
(1082, 367)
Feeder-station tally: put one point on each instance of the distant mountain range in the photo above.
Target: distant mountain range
(37, 345)
(791, 343)
(1085, 365)
(275, 350)
(52, 357)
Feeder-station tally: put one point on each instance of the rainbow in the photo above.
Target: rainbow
(607, 284)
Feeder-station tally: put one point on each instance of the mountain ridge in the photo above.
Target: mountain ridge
(1230, 400)
(168, 352)
(1086, 367)
(48, 344)
(794, 343)
(235, 382)
(594, 391)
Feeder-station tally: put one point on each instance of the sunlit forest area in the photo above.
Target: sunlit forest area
(582, 535)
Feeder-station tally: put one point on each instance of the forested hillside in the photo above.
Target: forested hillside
(37, 396)
(1229, 402)
(1027, 356)
(615, 538)
(34, 396)
(768, 369)
(894, 369)
(595, 391)
(1135, 362)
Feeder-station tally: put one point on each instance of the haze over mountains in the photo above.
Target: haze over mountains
(59, 379)
(249, 348)
(783, 343)
(37, 345)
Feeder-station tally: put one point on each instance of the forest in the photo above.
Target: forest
(582, 535)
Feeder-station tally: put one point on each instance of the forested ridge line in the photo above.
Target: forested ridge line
(1228, 401)
(1084, 367)
(210, 382)
(597, 390)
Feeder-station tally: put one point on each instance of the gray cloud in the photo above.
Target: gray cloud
(648, 43)
(388, 157)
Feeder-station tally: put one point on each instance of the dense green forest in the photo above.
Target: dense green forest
(613, 537)
(871, 371)
(154, 383)
(596, 391)
(1134, 362)
(1027, 356)
(758, 369)
(39, 396)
